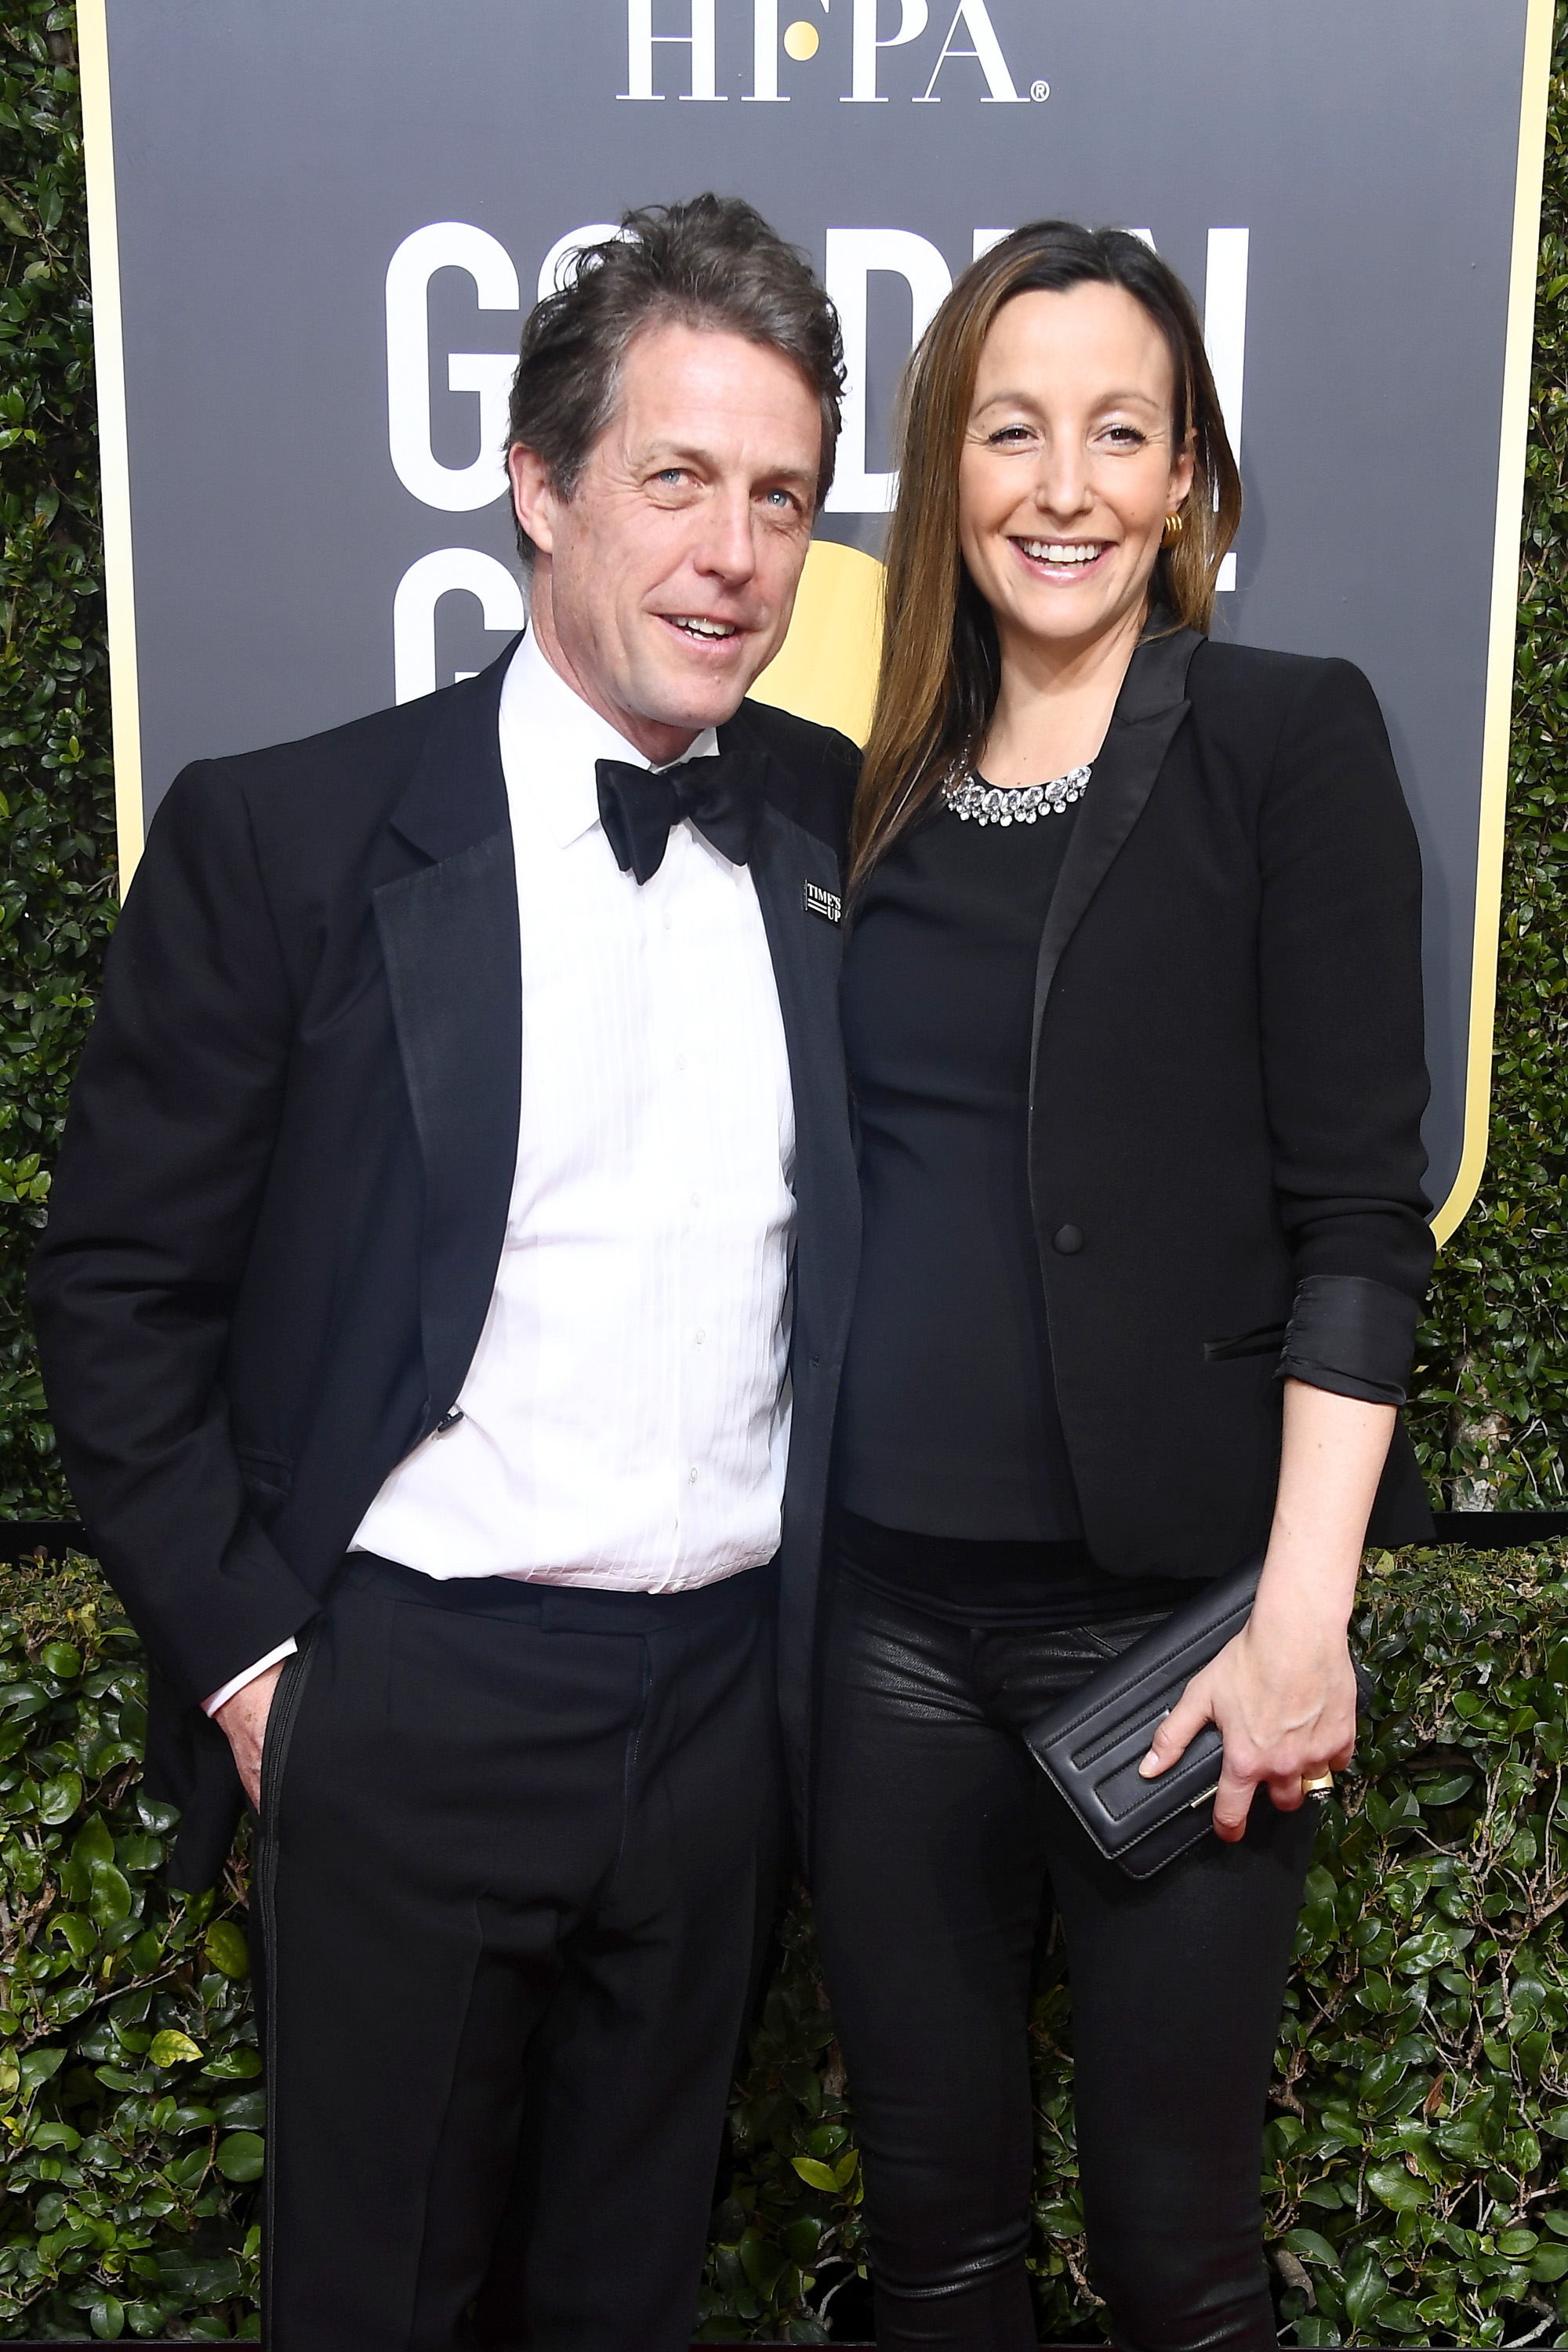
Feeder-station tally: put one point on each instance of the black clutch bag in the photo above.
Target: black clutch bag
(1091, 1744)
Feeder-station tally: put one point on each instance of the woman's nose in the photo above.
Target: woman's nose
(1061, 483)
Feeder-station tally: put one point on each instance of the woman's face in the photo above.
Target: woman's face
(1068, 470)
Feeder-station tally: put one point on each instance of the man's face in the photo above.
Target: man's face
(665, 583)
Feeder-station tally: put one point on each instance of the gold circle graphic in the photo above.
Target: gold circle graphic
(800, 41)
(826, 667)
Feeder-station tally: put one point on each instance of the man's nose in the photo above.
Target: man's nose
(727, 546)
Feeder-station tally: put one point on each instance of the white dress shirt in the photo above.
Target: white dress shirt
(625, 1420)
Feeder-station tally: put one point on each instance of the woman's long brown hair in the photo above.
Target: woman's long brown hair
(941, 668)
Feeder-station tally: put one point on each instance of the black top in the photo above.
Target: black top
(948, 1422)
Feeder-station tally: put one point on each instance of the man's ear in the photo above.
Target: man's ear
(534, 500)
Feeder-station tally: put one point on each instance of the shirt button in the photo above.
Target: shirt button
(697, 1199)
(670, 922)
(691, 1477)
(700, 1337)
(681, 1061)
(1068, 1240)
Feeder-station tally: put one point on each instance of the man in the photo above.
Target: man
(457, 1205)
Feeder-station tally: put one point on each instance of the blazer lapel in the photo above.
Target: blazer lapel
(800, 889)
(1151, 707)
(450, 941)
(795, 875)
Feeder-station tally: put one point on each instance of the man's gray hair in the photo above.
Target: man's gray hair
(711, 263)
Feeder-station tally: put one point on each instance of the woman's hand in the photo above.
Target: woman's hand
(1283, 1695)
(1283, 1692)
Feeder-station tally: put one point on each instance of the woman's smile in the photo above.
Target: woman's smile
(1070, 560)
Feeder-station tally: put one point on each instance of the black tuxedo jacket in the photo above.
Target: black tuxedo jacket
(280, 1202)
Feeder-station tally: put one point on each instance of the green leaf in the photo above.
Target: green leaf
(247, 2111)
(92, 1843)
(111, 1897)
(59, 1798)
(1364, 2292)
(61, 1659)
(107, 2317)
(1397, 2188)
(815, 2175)
(36, 2066)
(171, 2048)
(208, 2278)
(79, 1934)
(803, 2235)
(242, 2155)
(144, 1953)
(1310, 2247)
(226, 1949)
(240, 2065)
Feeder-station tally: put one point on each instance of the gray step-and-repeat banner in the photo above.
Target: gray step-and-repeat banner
(317, 225)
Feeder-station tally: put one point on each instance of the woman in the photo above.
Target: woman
(1133, 1011)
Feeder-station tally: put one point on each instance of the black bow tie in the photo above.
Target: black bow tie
(638, 807)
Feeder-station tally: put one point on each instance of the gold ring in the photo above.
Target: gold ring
(1321, 1784)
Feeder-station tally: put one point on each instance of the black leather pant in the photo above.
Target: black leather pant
(939, 1846)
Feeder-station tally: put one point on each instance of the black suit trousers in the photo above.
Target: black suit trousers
(519, 1851)
(940, 1846)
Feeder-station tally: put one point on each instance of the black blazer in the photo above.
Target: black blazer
(280, 1206)
(1227, 1095)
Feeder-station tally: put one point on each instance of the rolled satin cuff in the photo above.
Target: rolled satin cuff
(1350, 1335)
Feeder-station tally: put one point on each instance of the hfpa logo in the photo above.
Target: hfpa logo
(972, 19)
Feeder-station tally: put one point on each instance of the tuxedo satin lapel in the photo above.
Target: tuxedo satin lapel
(1151, 707)
(793, 872)
(805, 946)
(457, 794)
(450, 941)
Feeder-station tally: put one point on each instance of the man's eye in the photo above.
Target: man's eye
(672, 476)
(781, 500)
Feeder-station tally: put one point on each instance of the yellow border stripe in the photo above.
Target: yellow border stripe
(103, 239)
(1505, 613)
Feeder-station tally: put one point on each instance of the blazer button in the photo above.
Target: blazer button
(1067, 1239)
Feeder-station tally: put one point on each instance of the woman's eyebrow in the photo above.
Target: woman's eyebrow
(1128, 396)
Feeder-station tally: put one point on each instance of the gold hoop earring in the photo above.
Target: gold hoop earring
(1175, 525)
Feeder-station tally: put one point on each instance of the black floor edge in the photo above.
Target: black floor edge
(1499, 1530)
(19, 1538)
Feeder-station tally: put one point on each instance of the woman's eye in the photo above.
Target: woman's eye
(1011, 437)
(1125, 437)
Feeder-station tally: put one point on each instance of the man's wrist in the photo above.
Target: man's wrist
(231, 1689)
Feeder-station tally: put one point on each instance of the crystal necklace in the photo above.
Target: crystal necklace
(969, 796)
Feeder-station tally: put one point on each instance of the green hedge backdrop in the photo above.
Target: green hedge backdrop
(1417, 2165)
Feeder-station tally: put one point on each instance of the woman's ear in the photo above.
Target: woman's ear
(1184, 468)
